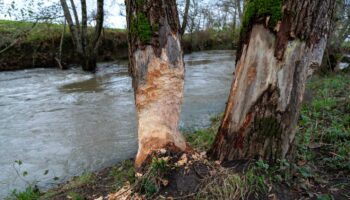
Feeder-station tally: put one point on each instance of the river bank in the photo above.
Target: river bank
(40, 47)
(69, 121)
(321, 169)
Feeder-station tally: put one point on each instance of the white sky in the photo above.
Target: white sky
(113, 18)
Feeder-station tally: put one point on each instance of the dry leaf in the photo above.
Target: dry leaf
(183, 160)
(164, 182)
(273, 197)
(162, 151)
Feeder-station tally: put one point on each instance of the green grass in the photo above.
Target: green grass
(203, 139)
(79, 181)
(228, 184)
(75, 196)
(124, 172)
(327, 121)
(152, 180)
(31, 193)
(41, 32)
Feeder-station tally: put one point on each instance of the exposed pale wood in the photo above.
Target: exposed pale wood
(263, 107)
(157, 69)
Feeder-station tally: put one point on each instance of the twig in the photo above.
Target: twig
(59, 59)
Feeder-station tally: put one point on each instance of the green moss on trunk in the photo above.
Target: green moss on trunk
(141, 28)
(262, 8)
(267, 127)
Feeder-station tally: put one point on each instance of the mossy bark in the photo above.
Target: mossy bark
(273, 62)
(157, 69)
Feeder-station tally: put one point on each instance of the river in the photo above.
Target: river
(69, 122)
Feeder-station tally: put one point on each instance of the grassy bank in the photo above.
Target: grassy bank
(39, 46)
(321, 169)
(41, 31)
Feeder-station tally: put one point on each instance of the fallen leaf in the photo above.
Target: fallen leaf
(272, 197)
(162, 151)
(183, 160)
(164, 182)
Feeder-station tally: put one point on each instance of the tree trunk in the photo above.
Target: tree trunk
(75, 13)
(89, 62)
(185, 17)
(157, 68)
(274, 57)
(239, 9)
(73, 28)
(86, 48)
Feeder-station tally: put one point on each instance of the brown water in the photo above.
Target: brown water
(70, 122)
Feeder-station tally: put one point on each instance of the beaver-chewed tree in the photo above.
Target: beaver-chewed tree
(281, 42)
(157, 69)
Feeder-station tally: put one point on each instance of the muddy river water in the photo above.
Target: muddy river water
(70, 122)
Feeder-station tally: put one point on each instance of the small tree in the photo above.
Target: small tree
(280, 42)
(86, 47)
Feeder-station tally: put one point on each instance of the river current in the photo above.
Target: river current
(69, 122)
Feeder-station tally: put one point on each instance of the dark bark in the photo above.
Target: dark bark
(76, 18)
(263, 107)
(84, 27)
(73, 29)
(185, 17)
(59, 57)
(239, 9)
(86, 48)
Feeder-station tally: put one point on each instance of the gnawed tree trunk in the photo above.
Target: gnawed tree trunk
(157, 68)
(277, 49)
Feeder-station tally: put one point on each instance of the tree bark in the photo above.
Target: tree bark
(157, 68)
(273, 63)
(239, 8)
(75, 13)
(86, 48)
(73, 29)
(84, 31)
(59, 58)
(185, 17)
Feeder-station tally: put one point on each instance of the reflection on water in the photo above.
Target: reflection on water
(69, 122)
(90, 85)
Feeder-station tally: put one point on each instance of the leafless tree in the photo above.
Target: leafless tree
(86, 47)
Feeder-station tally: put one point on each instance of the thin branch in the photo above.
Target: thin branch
(21, 36)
